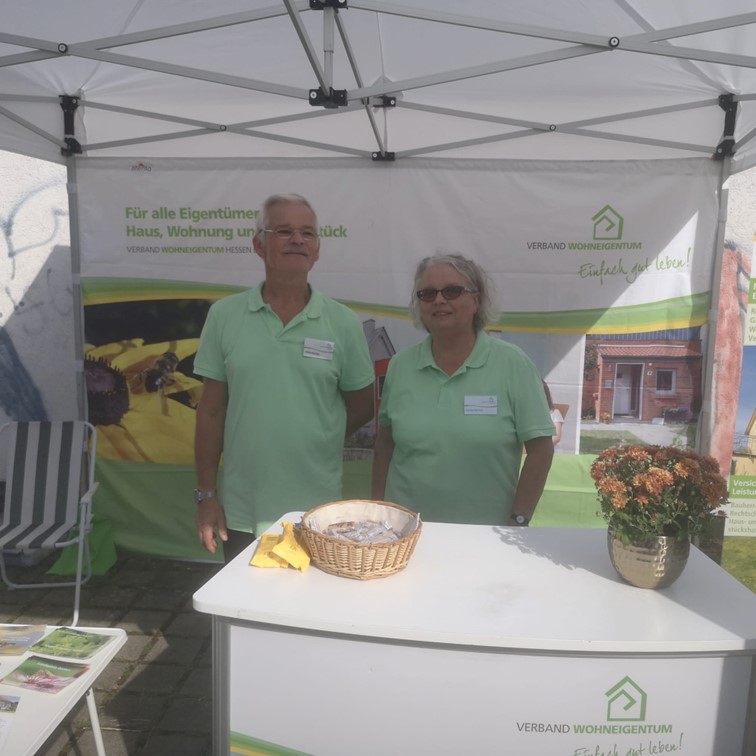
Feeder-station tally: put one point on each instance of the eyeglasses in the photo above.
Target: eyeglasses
(286, 233)
(448, 293)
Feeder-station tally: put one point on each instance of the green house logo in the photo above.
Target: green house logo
(626, 702)
(607, 224)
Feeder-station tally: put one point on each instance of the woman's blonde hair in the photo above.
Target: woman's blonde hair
(478, 279)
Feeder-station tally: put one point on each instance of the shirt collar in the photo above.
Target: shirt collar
(476, 358)
(312, 309)
(254, 298)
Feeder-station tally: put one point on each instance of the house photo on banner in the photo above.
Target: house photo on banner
(580, 155)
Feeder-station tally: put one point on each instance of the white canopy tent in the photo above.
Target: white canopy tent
(599, 79)
(380, 85)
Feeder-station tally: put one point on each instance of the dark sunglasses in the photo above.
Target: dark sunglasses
(448, 293)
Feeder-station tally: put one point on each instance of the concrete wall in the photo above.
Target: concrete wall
(37, 369)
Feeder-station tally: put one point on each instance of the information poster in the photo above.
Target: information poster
(601, 272)
(742, 515)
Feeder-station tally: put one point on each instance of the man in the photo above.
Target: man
(287, 375)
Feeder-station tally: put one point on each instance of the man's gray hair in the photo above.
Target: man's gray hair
(477, 278)
(263, 218)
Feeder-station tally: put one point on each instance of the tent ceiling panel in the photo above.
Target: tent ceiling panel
(538, 79)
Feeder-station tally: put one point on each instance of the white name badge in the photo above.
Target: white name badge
(319, 349)
(481, 405)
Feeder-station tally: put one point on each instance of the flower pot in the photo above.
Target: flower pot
(655, 562)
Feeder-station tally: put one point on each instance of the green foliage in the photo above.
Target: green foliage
(590, 361)
(739, 559)
(677, 415)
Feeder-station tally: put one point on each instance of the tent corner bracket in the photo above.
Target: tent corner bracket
(381, 101)
(321, 4)
(69, 104)
(726, 147)
(73, 147)
(383, 157)
(335, 98)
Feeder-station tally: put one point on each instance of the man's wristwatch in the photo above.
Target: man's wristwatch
(200, 495)
(520, 519)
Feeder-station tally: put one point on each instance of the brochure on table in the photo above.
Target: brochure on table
(8, 706)
(16, 639)
(70, 643)
(44, 675)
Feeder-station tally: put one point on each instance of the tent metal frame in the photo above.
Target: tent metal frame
(362, 96)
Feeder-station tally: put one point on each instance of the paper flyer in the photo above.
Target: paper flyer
(8, 706)
(71, 643)
(741, 520)
(44, 675)
(16, 639)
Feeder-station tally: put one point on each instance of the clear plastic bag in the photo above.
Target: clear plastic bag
(363, 532)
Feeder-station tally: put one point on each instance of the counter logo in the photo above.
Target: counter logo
(627, 702)
(607, 224)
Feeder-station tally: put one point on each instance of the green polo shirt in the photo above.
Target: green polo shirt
(286, 419)
(458, 439)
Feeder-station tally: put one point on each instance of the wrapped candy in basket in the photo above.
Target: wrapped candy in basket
(359, 538)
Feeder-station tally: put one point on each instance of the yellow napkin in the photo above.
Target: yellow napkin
(284, 550)
(264, 556)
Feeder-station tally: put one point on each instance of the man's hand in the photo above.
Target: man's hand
(210, 517)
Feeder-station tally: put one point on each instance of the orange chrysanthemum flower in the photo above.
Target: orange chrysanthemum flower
(657, 490)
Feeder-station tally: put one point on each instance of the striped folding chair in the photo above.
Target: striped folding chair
(48, 494)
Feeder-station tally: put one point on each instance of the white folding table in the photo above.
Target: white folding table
(39, 713)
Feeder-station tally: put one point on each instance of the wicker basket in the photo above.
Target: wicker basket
(354, 560)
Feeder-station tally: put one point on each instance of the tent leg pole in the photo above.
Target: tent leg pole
(78, 301)
(708, 409)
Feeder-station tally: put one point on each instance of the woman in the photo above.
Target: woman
(457, 409)
(556, 415)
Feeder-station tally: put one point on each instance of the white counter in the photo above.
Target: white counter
(530, 600)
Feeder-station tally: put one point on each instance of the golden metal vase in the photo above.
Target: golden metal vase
(655, 562)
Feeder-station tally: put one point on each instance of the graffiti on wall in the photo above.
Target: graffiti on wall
(36, 306)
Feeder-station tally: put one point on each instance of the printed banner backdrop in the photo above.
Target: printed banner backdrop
(742, 510)
(574, 250)
(633, 237)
